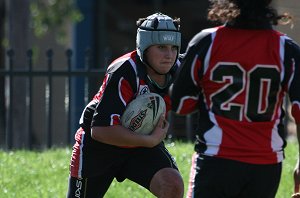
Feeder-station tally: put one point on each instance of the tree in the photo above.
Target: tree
(53, 15)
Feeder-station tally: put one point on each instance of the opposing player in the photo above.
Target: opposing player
(237, 75)
(105, 150)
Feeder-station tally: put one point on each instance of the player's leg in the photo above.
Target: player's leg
(94, 162)
(205, 181)
(92, 187)
(263, 181)
(156, 170)
(212, 177)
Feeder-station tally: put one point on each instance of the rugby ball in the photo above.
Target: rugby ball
(142, 113)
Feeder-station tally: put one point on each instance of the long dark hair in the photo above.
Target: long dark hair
(250, 10)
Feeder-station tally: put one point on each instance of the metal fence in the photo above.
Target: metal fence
(10, 74)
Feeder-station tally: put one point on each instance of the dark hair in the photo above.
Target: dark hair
(249, 10)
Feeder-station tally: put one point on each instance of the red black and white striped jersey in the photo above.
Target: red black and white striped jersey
(237, 79)
(125, 78)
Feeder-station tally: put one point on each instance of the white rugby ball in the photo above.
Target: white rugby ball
(142, 113)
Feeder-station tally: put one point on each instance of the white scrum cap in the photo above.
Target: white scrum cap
(157, 29)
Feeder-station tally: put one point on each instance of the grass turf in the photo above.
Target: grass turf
(43, 174)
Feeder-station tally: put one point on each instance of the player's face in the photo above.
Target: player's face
(161, 57)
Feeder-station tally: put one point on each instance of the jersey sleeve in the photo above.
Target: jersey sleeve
(294, 89)
(186, 88)
(118, 88)
(184, 91)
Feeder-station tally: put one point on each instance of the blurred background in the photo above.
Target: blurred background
(54, 53)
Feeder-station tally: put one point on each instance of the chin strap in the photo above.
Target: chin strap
(167, 82)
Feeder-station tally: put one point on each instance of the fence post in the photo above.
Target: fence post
(69, 54)
(29, 100)
(49, 55)
(9, 131)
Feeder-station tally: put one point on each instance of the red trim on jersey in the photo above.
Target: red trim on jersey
(76, 160)
(263, 96)
(142, 82)
(125, 91)
(189, 104)
(115, 119)
(167, 100)
(196, 70)
(193, 170)
(102, 88)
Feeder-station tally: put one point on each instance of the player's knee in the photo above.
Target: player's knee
(177, 187)
(171, 188)
(167, 183)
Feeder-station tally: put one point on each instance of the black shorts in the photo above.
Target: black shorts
(213, 177)
(101, 163)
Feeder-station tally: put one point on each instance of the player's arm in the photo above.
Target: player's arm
(297, 167)
(120, 136)
(184, 91)
(294, 95)
(296, 115)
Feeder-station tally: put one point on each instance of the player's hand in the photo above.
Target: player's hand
(296, 181)
(160, 131)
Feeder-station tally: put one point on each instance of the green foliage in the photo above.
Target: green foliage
(53, 14)
(43, 174)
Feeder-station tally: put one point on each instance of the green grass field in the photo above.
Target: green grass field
(44, 174)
